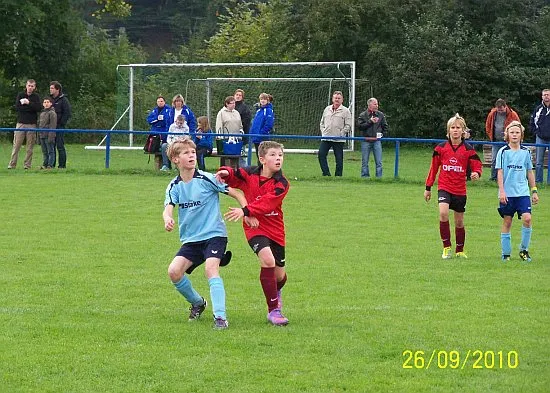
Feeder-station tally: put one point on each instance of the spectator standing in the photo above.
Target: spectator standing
(48, 120)
(27, 105)
(263, 121)
(335, 122)
(160, 119)
(540, 127)
(62, 109)
(179, 108)
(373, 125)
(497, 120)
(244, 111)
(228, 120)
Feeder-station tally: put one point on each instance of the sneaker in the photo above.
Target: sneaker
(164, 168)
(446, 253)
(226, 258)
(506, 258)
(461, 254)
(11, 167)
(524, 255)
(220, 323)
(279, 300)
(276, 318)
(196, 311)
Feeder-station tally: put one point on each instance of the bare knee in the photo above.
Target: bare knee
(526, 218)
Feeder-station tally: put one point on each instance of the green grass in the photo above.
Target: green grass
(86, 304)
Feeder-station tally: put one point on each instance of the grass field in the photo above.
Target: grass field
(86, 304)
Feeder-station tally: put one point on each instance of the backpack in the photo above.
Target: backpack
(152, 145)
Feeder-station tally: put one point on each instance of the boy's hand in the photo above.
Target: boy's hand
(535, 198)
(169, 224)
(221, 174)
(474, 176)
(427, 195)
(234, 214)
(502, 197)
(252, 222)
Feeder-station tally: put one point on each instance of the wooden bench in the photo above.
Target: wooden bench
(487, 155)
(232, 160)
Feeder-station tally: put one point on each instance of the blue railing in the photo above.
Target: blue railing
(397, 141)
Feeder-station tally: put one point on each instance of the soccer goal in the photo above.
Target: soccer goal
(301, 90)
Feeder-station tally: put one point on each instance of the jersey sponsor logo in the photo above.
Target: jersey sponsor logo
(453, 167)
(516, 167)
(272, 213)
(189, 204)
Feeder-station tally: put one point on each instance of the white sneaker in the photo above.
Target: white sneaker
(164, 168)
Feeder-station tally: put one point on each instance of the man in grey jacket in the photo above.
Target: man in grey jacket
(335, 122)
(373, 126)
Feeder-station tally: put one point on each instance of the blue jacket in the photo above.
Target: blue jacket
(540, 122)
(189, 117)
(207, 140)
(158, 126)
(262, 123)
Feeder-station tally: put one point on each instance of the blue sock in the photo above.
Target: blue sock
(185, 287)
(506, 242)
(525, 238)
(217, 295)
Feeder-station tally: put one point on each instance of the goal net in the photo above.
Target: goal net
(300, 91)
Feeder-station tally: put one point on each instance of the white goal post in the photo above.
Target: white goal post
(301, 91)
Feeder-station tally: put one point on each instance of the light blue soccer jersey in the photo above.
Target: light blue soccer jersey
(198, 204)
(514, 164)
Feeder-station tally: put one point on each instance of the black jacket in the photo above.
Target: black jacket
(62, 109)
(370, 129)
(28, 114)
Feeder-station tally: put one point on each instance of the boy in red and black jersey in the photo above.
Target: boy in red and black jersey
(454, 160)
(264, 187)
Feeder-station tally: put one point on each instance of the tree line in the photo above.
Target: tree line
(426, 59)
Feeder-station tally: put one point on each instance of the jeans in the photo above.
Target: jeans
(201, 153)
(48, 152)
(338, 149)
(60, 144)
(165, 161)
(494, 151)
(366, 148)
(539, 166)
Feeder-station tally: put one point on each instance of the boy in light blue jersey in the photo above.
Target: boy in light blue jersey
(201, 228)
(515, 176)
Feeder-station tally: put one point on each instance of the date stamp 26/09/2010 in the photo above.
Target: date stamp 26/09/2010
(455, 359)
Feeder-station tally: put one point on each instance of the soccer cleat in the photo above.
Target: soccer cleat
(461, 254)
(506, 258)
(220, 323)
(276, 318)
(196, 311)
(226, 258)
(446, 253)
(279, 300)
(524, 255)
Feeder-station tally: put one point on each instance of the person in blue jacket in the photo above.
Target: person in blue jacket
(263, 121)
(160, 119)
(204, 139)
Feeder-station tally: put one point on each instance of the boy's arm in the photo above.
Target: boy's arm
(430, 179)
(500, 181)
(476, 165)
(168, 217)
(238, 195)
(533, 186)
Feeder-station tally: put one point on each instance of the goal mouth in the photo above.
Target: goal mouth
(301, 91)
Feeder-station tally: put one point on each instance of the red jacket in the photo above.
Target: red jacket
(511, 115)
(265, 200)
(455, 162)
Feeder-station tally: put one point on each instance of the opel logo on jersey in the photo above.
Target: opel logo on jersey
(453, 167)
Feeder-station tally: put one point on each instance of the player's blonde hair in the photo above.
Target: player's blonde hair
(517, 124)
(266, 145)
(175, 148)
(456, 119)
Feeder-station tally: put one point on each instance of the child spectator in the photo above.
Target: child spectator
(201, 228)
(178, 129)
(515, 176)
(263, 121)
(204, 139)
(454, 157)
(48, 119)
(266, 187)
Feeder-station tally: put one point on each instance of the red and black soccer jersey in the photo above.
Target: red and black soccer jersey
(265, 200)
(456, 163)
